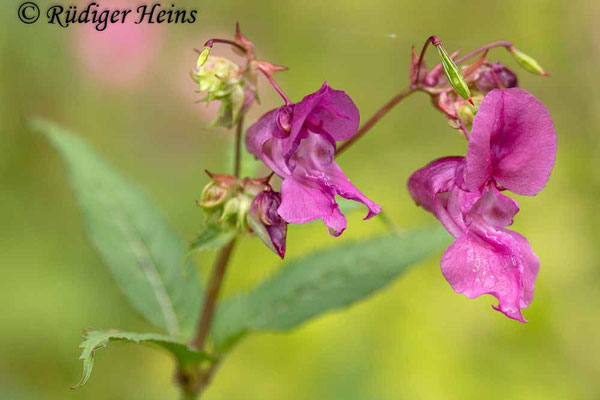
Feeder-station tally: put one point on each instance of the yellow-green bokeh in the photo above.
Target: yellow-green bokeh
(415, 340)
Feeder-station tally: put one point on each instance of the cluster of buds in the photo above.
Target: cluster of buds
(245, 205)
(223, 80)
(458, 91)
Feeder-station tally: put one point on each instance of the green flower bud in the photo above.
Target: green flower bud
(221, 79)
(203, 57)
(466, 112)
(244, 207)
(213, 196)
(527, 62)
(453, 74)
(231, 209)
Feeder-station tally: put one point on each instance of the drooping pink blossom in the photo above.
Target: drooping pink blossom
(512, 146)
(298, 142)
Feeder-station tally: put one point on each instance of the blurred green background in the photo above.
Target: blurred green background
(415, 340)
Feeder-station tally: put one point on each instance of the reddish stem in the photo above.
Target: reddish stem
(209, 43)
(434, 40)
(375, 118)
(210, 298)
(277, 88)
(499, 43)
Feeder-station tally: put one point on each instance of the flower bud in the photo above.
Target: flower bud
(465, 111)
(216, 192)
(527, 62)
(231, 209)
(453, 74)
(495, 76)
(265, 221)
(221, 79)
(203, 57)
(212, 196)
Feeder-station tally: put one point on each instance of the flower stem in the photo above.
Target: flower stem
(203, 377)
(212, 293)
(434, 40)
(218, 272)
(275, 86)
(375, 118)
(237, 163)
(499, 43)
(211, 42)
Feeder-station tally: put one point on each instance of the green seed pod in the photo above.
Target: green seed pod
(453, 74)
(527, 62)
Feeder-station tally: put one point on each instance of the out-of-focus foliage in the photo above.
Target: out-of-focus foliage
(323, 281)
(143, 253)
(145, 256)
(417, 339)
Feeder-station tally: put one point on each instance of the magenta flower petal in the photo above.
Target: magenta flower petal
(298, 143)
(496, 209)
(261, 131)
(513, 141)
(434, 187)
(501, 263)
(436, 177)
(261, 143)
(335, 114)
(303, 202)
(345, 188)
(327, 111)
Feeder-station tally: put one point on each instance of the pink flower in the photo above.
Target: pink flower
(512, 147)
(297, 142)
(120, 55)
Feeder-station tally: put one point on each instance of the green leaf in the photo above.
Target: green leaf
(323, 281)
(94, 340)
(141, 250)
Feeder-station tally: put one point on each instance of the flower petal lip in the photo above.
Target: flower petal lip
(513, 142)
(501, 264)
(303, 202)
(485, 258)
